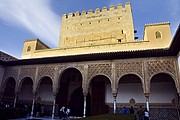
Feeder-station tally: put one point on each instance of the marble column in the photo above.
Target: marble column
(84, 113)
(147, 101)
(34, 99)
(15, 99)
(54, 105)
(115, 95)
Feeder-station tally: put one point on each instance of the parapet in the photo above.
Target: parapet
(155, 24)
(97, 10)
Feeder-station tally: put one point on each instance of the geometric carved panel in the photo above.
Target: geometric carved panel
(129, 67)
(10, 72)
(27, 72)
(46, 71)
(160, 66)
(95, 69)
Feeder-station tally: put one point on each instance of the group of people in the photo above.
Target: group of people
(141, 113)
(64, 113)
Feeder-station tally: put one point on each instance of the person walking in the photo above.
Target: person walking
(131, 110)
(146, 114)
(140, 113)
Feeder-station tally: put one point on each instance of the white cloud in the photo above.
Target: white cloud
(33, 15)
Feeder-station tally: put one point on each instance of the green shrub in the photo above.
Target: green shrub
(110, 117)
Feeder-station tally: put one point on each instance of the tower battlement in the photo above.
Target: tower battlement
(97, 27)
(97, 10)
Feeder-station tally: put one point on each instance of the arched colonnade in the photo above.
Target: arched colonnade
(105, 82)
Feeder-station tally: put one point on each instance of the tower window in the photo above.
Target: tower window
(119, 40)
(29, 48)
(158, 35)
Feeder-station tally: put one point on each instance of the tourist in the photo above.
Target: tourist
(140, 113)
(131, 110)
(68, 111)
(62, 112)
(125, 111)
(146, 114)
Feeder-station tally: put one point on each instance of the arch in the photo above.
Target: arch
(162, 85)
(68, 68)
(70, 87)
(42, 79)
(25, 90)
(134, 74)
(158, 34)
(22, 81)
(5, 82)
(29, 48)
(89, 80)
(164, 72)
(130, 86)
(9, 89)
(101, 94)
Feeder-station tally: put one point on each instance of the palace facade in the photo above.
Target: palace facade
(98, 67)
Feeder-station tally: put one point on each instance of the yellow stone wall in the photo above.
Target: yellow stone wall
(105, 26)
(106, 30)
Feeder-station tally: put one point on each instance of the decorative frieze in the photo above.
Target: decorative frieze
(11, 72)
(158, 66)
(46, 71)
(27, 72)
(129, 68)
(95, 69)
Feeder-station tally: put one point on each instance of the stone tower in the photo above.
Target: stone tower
(99, 27)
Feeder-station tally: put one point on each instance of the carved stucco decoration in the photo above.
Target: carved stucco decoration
(154, 67)
(46, 71)
(97, 69)
(134, 67)
(11, 72)
(62, 68)
(160, 66)
(27, 72)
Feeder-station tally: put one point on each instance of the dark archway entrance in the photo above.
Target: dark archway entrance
(9, 92)
(70, 92)
(25, 95)
(98, 94)
(44, 96)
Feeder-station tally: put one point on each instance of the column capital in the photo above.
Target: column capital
(54, 94)
(34, 94)
(146, 94)
(114, 94)
(85, 94)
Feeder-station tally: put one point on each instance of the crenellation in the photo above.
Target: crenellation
(77, 13)
(64, 16)
(119, 6)
(112, 7)
(97, 10)
(104, 9)
(83, 12)
(70, 15)
(90, 11)
(128, 4)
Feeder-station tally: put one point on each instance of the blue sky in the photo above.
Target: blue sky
(28, 19)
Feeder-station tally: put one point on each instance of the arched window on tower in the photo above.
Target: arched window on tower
(158, 35)
(29, 48)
